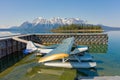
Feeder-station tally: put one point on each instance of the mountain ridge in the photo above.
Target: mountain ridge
(45, 25)
(41, 24)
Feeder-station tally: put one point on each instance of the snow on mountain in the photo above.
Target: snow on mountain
(45, 25)
(57, 20)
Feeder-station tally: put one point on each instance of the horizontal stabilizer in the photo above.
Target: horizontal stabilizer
(79, 50)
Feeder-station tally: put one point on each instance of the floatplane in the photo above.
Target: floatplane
(68, 54)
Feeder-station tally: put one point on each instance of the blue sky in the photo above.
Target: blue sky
(15, 12)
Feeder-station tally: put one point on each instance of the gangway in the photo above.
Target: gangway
(25, 41)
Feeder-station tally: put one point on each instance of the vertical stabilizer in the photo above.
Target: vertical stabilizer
(31, 46)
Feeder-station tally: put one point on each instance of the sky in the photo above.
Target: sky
(15, 12)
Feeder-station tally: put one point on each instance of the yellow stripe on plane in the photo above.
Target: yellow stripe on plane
(53, 57)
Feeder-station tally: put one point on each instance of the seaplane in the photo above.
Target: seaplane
(68, 54)
(63, 56)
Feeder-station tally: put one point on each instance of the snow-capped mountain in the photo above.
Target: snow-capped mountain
(45, 25)
(40, 24)
(58, 20)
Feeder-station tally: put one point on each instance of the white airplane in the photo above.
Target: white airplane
(63, 52)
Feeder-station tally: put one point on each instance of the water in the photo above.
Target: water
(7, 34)
(106, 56)
(108, 64)
(29, 69)
(108, 61)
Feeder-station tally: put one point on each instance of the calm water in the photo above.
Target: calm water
(107, 58)
(7, 33)
(109, 62)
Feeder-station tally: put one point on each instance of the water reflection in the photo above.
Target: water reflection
(98, 48)
(10, 60)
(87, 72)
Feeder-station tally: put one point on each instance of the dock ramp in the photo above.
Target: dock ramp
(16, 38)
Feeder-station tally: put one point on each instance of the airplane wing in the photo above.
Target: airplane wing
(50, 47)
(63, 50)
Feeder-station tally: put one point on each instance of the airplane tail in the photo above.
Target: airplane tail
(30, 47)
